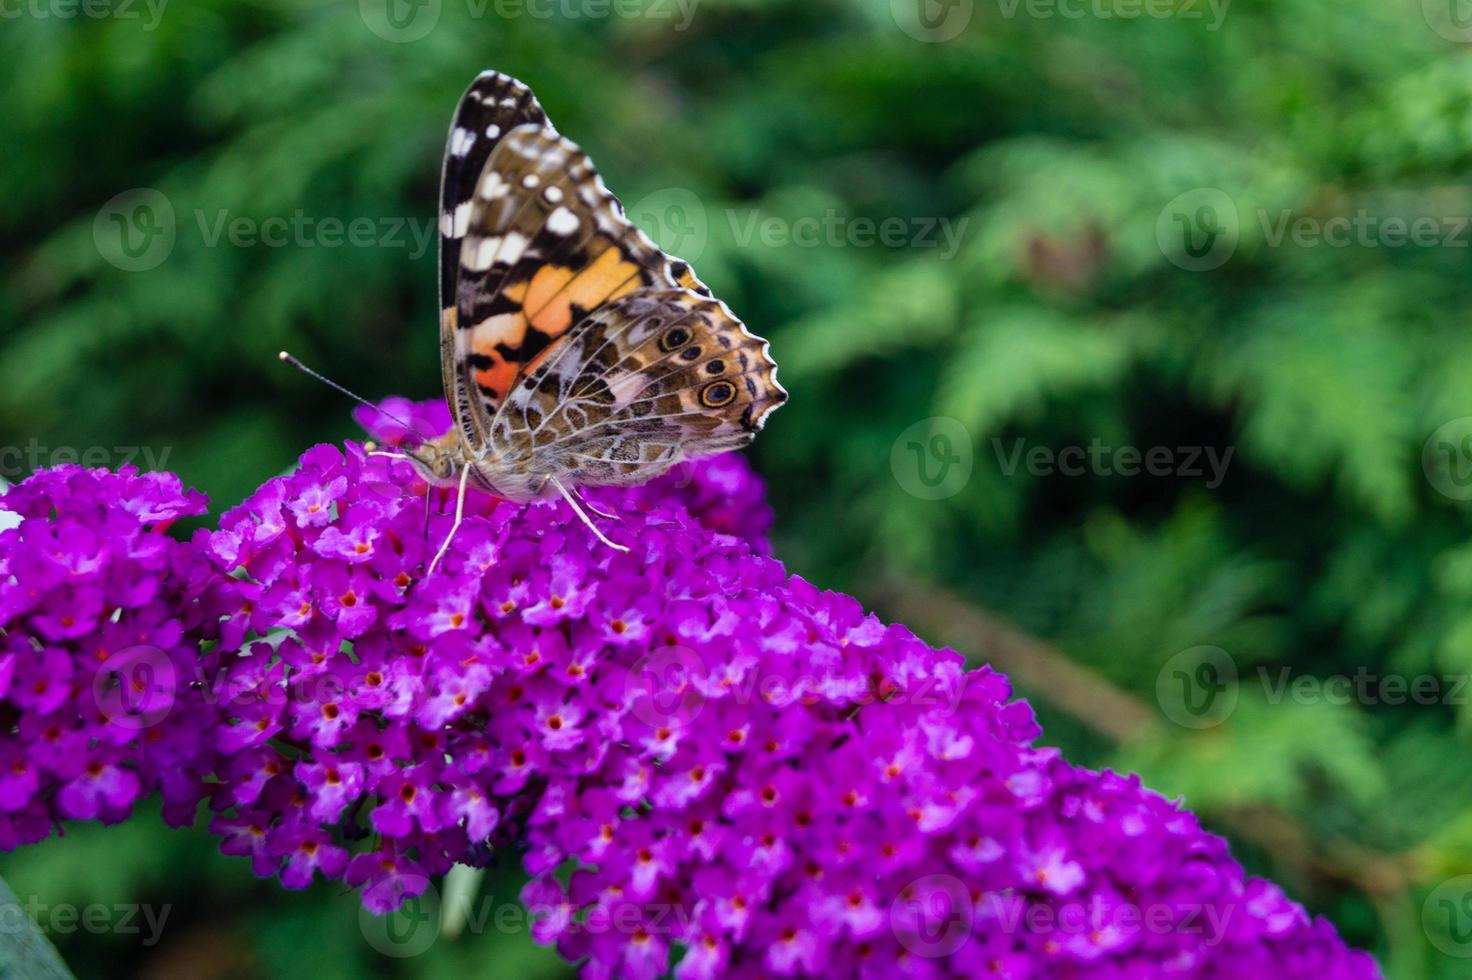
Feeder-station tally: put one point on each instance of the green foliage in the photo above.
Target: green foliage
(1051, 147)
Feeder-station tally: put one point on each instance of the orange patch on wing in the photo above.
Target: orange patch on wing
(508, 329)
(547, 301)
(556, 290)
(499, 376)
(545, 286)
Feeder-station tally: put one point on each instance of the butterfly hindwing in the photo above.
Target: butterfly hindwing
(656, 377)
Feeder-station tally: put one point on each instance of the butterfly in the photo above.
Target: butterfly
(574, 351)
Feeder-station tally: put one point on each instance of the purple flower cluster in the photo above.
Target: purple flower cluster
(699, 758)
(99, 650)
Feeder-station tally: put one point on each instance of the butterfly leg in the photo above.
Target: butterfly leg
(459, 514)
(577, 509)
(594, 510)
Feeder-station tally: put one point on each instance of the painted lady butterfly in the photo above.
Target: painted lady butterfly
(574, 351)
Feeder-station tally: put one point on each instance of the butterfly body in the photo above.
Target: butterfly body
(574, 351)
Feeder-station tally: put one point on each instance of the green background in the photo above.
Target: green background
(1281, 310)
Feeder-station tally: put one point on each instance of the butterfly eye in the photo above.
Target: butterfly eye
(715, 367)
(717, 393)
(674, 338)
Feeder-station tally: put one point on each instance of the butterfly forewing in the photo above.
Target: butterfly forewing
(491, 107)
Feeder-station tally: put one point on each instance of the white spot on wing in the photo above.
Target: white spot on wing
(495, 327)
(492, 186)
(461, 140)
(453, 224)
(481, 253)
(513, 244)
(562, 222)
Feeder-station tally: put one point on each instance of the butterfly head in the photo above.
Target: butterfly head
(438, 461)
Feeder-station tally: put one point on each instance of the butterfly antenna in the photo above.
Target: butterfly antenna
(294, 362)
